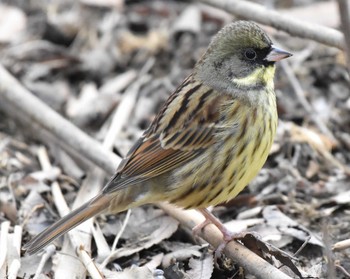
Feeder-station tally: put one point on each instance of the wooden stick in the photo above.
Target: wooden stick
(49, 119)
(293, 26)
(344, 11)
(247, 259)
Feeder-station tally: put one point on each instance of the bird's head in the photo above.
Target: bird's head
(240, 56)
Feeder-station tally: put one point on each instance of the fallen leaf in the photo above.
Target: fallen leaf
(264, 249)
(342, 198)
(201, 268)
(181, 255)
(145, 229)
(135, 272)
(274, 217)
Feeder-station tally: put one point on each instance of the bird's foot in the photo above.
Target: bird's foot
(227, 234)
(197, 229)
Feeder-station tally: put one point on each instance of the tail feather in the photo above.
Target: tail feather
(68, 222)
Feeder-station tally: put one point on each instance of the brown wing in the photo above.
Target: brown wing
(182, 130)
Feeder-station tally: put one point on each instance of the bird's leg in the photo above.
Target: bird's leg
(227, 234)
(211, 219)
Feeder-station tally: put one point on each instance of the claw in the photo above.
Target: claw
(227, 234)
(196, 230)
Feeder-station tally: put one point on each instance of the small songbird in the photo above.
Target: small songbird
(209, 140)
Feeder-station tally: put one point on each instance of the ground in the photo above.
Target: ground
(89, 59)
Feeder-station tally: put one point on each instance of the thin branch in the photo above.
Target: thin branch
(4, 232)
(341, 245)
(342, 269)
(89, 264)
(116, 240)
(247, 259)
(344, 11)
(293, 26)
(49, 251)
(37, 111)
(63, 209)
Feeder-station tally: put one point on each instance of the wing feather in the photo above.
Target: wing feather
(169, 144)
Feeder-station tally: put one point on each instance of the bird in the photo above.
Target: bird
(207, 142)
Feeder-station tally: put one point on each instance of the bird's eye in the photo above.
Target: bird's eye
(250, 54)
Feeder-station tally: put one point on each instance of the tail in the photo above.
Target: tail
(68, 222)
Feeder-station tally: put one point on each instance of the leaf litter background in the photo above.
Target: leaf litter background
(83, 58)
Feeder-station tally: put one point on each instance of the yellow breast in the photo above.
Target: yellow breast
(241, 150)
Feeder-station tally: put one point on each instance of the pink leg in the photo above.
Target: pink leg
(211, 219)
(227, 234)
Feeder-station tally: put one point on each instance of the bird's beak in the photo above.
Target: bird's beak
(277, 54)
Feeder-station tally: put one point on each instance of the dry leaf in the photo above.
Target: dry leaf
(342, 198)
(237, 226)
(155, 261)
(264, 250)
(135, 272)
(90, 106)
(181, 255)
(144, 229)
(286, 225)
(319, 142)
(316, 140)
(201, 268)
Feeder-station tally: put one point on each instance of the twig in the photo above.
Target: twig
(341, 245)
(327, 252)
(3, 244)
(26, 102)
(13, 269)
(118, 83)
(245, 258)
(293, 26)
(89, 264)
(10, 251)
(116, 240)
(123, 112)
(342, 269)
(49, 250)
(344, 11)
(302, 246)
(242, 255)
(63, 209)
(14, 252)
(101, 243)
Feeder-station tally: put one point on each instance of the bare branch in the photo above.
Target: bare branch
(344, 11)
(250, 261)
(14, 93)
(295, 27)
